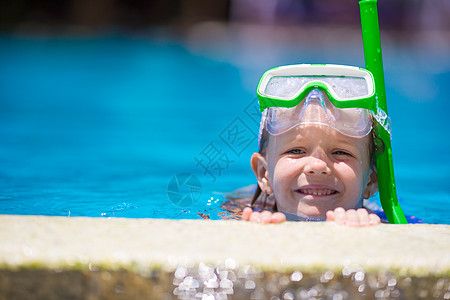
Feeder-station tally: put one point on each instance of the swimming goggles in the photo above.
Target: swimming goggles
(341, 97)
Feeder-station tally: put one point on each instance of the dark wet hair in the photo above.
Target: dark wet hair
(262, 150)
(376, 144)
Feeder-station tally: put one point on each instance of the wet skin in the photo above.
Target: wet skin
(314, 169)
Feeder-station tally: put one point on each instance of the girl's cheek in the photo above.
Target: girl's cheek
(287, 168)
(292, 161)
(348, 171)
(288, 165)
(289, 161)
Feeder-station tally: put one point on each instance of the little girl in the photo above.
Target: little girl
(316, 145)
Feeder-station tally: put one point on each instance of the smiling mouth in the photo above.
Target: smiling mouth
(317, 192)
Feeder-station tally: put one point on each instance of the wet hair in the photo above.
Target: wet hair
(263, 151)
(376, 144)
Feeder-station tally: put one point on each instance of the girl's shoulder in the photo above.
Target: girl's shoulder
(372, 206)
(238, 199)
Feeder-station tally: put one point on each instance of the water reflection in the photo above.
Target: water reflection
(228, 281)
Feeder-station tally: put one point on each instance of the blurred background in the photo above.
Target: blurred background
(103, 103)
(84, 16)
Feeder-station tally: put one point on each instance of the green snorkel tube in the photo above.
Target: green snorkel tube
(374, 63)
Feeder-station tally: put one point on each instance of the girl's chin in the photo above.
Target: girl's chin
(315, 214)
(313, 211)
(306, 211)
(316, 206)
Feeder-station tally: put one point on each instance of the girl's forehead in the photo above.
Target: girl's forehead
(316, 134)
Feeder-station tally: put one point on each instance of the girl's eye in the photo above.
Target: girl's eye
(342, 153)
(295, 151)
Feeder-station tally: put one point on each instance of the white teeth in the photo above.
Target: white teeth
(317, 192)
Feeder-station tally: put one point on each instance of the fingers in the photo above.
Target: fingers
(330, 216)
(266, 217)
(374, 219)
(246, 213)
(262, 217)
(278, 217)
(353, 218)
(340, 216)
(363, 217)
(366, 219)
(255, 217)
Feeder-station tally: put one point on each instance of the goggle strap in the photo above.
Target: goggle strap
(383, 119)
(261, 126)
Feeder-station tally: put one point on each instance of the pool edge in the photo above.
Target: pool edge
(133, 251)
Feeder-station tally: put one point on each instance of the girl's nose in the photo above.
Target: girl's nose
(317, 166)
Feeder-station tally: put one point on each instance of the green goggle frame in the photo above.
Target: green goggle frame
(316, 76)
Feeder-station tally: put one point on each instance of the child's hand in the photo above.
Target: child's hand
(262, 217)
(353, 218)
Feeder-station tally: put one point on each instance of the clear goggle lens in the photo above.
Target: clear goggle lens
(316, 109)
(343, 87)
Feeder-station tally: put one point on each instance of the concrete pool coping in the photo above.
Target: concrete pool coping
(33, 244)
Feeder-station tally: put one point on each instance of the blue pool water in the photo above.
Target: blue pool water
(102, 126)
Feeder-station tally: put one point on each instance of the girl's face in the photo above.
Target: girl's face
(312, 169)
